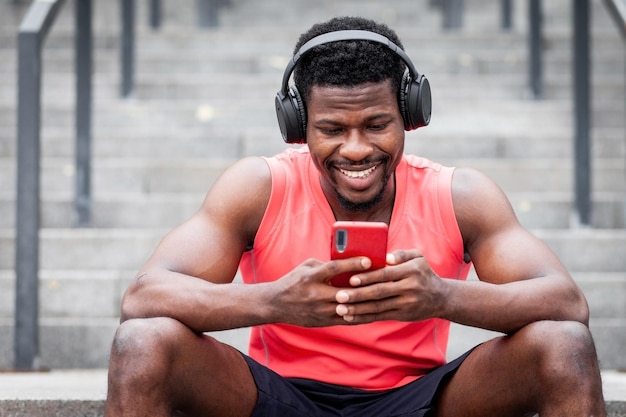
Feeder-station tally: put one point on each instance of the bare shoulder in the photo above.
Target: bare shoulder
(480, 205)
(248, 175)
(472, 189)
(239, 197)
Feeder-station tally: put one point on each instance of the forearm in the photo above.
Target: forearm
(508, 307)
(201, 305)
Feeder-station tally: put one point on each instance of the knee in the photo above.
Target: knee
(560, 338)
(560, 348)
(145, 343)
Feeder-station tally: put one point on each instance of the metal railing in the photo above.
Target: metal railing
(32, 33)
(535, 47)
(582, 99)
(581, 48)
(617, 10)
(207, 12)
(83, 59)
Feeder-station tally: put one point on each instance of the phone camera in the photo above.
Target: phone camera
(341, 240)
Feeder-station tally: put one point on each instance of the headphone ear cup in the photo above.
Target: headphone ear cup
(291, 115)
(301, 109)
(415, 101)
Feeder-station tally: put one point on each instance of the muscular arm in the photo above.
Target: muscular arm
(189, 276)
(521, 279)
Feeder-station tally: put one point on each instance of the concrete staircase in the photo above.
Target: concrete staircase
(204, 98)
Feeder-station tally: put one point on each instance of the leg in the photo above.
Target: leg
(549, 368)
(159, 366)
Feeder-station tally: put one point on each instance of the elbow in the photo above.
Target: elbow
(579, 308)
(584, 313)
(128, 310)
(130, 305)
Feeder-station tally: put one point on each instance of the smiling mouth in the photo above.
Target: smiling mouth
(358, 174)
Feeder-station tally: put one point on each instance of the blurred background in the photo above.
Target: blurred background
(129, 110)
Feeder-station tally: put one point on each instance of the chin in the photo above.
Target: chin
(359, 206)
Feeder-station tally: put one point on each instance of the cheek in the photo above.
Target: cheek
(392, 146)
(321, 164)
(397, 148)
(320, 153)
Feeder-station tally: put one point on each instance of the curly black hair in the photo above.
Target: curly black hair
(347, 63)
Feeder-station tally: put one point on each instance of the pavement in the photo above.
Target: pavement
(81, 385)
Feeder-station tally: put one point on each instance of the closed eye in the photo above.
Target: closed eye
(379, 126)
(331, 131)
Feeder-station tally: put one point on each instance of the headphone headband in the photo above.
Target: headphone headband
(414, 98)
(345, 35)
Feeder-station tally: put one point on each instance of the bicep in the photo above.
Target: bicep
(209, 245)
(501, 249)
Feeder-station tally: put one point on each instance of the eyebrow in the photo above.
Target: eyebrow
(368, 119)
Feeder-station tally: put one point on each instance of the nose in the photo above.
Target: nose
(356, 146)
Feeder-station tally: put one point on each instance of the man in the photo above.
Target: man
(377, 347)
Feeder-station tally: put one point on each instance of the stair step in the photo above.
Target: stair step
(71, 343)
(580, 249)
(64, 249)
(71, 293)
(605, 293)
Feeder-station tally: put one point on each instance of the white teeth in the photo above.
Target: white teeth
(358, 174)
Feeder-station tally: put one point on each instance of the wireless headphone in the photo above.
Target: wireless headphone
(414, 96)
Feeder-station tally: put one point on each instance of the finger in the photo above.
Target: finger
(357, 263)
(375, 277)
(383, 310)
(368, 318)
(366, 294)
(349, 265)
(342, 311)
(342, 297)
(401, 256)
(371, 307)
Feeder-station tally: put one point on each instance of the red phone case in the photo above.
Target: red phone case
(351, 239)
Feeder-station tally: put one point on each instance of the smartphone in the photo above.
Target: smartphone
(352, 238)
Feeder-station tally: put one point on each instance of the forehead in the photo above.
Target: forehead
(328, 99)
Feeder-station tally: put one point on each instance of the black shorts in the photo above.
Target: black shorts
(283, 397)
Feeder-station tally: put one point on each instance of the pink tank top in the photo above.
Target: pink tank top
(297, 226)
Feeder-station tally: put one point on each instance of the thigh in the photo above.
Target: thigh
(545, 366)
(165, 364)
(214, 377)
(482, 386)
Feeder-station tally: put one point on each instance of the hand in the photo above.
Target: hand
(303, 297)
(406, 290)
